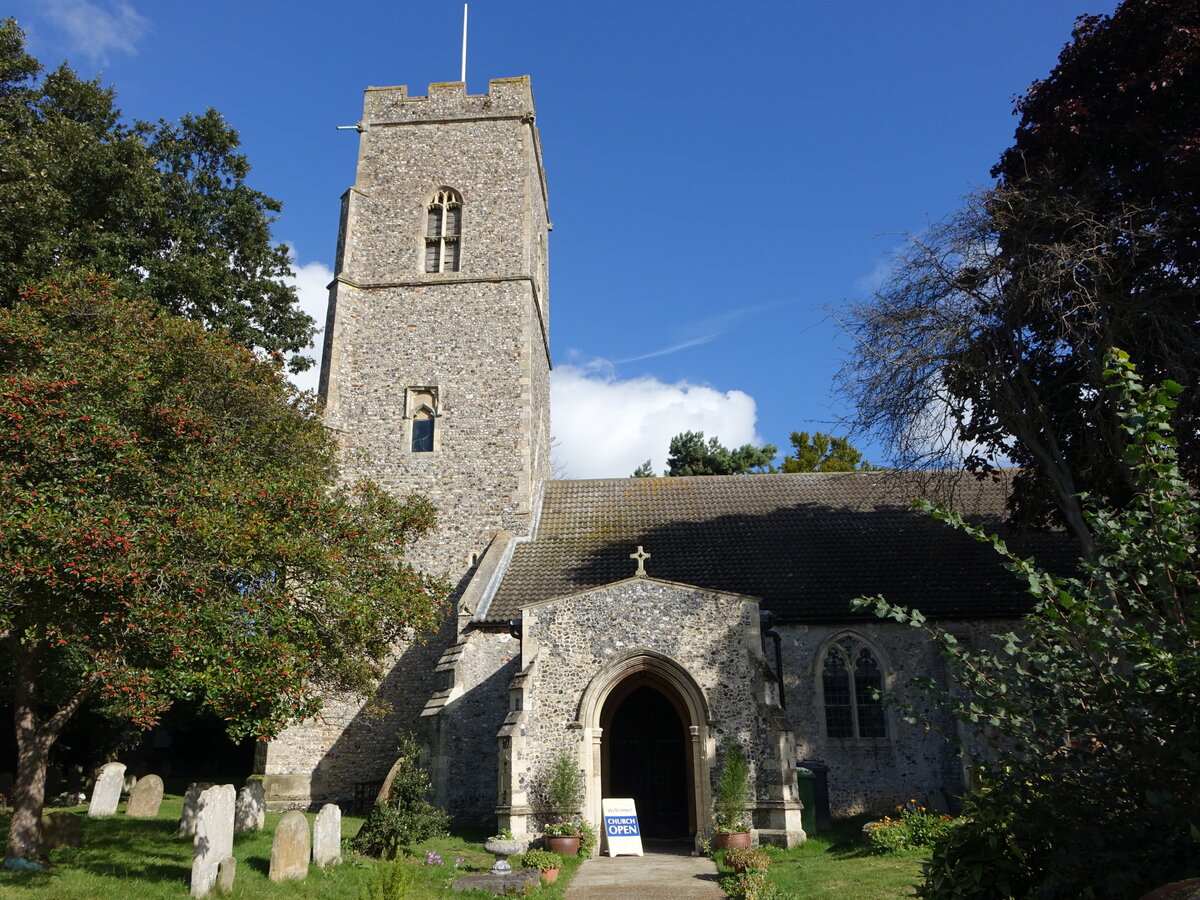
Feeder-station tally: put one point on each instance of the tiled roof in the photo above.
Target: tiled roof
(805, 544)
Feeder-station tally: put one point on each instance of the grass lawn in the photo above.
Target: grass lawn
(836, 864)
(124, 859)
(132, 859)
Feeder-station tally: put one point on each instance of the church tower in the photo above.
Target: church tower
(436, 374)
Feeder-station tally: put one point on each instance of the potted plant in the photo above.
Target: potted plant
(564, 795)
(563, 837)
(729, 799)
(741, 860)
(545, 861)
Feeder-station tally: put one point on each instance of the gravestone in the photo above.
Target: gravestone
(385, 789)
(61, 829)
(226, 872)
(191, 798)
(213, 841)
(107, 792)
(145, 798)
(327, 836)
(251, 807)
(292, 848)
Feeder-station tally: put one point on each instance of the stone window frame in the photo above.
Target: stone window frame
(836, 643)
(441, 249)
(422, 401)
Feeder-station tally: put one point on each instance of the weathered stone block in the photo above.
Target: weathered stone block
(291, 849)
(107, 792)
(145, 798)
(327, 836)
(61, 829)
(213, 841)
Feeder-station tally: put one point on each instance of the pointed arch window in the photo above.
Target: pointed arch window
(850, 678)
(422, 412)
(443, 232)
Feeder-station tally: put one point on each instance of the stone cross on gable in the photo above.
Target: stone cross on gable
(641, 556)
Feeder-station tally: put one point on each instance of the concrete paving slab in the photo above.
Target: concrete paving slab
(655, 876)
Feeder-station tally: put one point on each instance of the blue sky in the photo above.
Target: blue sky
(721, 174)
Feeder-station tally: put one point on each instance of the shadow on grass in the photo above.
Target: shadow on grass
(845, 840)
(116, 846)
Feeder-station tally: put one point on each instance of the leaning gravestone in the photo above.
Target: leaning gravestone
(191, 799)
(107, 792)
(145, 798)
(226, 872)
(251, 812)
(213, 841)
(60, 829)
(327, 836)
(291, 849)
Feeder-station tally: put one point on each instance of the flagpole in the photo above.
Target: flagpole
(464, 47)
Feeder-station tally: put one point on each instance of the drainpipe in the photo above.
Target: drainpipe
(766, 619)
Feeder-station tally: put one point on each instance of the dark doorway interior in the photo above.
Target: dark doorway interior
(647, 760)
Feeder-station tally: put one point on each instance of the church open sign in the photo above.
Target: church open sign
(622, 835)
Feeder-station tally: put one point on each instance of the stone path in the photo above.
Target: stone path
(655, 876)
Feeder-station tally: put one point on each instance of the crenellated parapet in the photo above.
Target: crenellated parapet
(448, 102)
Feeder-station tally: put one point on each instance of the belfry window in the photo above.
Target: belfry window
(443, 232)
(850, 678)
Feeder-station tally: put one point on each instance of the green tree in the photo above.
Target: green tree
(823, 453)
(170, 528)
(690, 454)
(1092, 707)
(645, 470)
(992, 330)
(162, 208)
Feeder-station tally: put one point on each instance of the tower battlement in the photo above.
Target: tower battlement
(449, 101)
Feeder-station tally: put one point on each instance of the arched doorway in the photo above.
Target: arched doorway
(646, 754)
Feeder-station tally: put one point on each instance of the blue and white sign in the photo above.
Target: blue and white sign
(622, 836)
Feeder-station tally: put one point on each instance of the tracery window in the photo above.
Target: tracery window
(443, 232)
(850, 678)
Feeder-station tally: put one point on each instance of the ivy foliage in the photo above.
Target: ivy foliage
(1093, 708)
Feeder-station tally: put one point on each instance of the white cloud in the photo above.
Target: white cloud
(312, 285)
(869, 284)
(97, 30)
(606, 427)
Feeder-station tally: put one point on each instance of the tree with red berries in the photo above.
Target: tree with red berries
(171, 527)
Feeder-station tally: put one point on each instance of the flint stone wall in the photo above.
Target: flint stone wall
(913, 761)
(710, 635)
(478, 335)
(465, 728)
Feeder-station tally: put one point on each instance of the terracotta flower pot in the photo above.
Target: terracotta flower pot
(549, 876)
(563, 844)
(738, 840)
